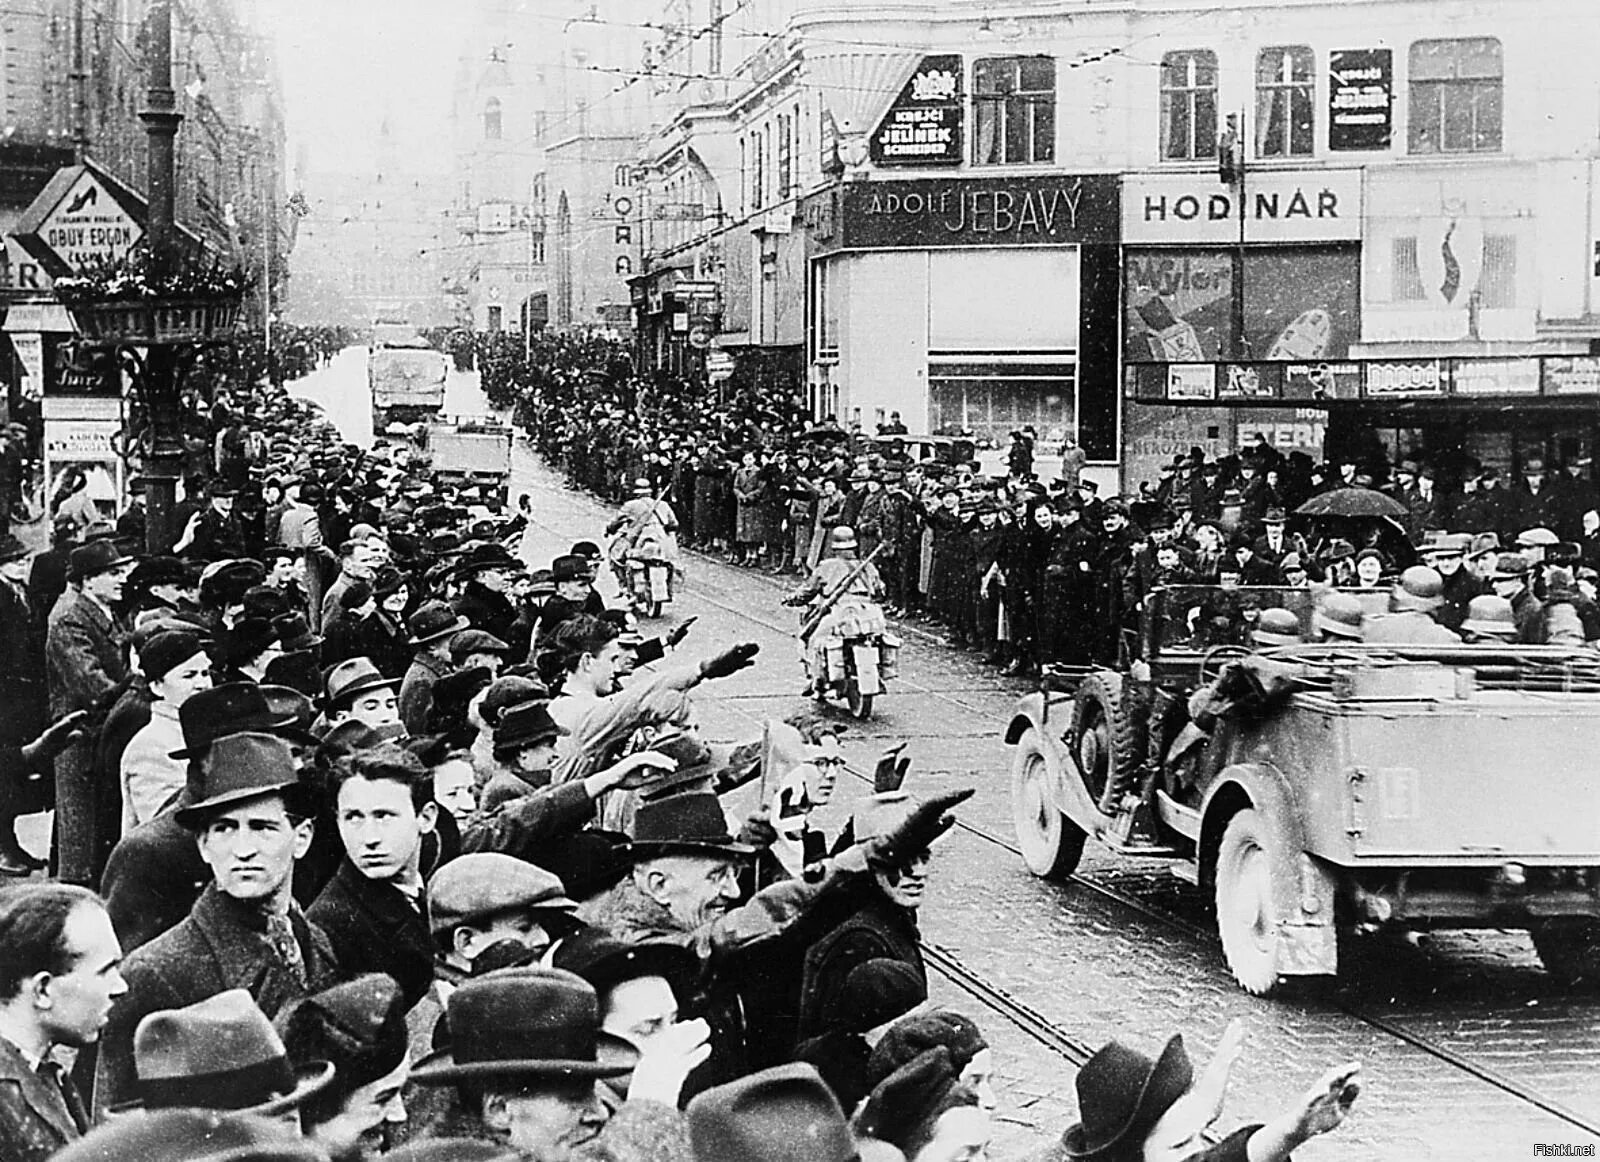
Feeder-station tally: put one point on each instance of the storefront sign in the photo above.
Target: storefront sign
(1280, 206)
(1495, 377)
(1322, 381)
(1177, 305)
(29, 346)
(1153, 434)
(1360, 99)
(1572, 375)
(88, 225)
(923, 126)
(19, 270)
(1404, 377)
(999, 211)
(1196, 381)
(1286, 429)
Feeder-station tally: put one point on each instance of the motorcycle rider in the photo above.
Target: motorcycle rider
(856, 607)
(645, 528)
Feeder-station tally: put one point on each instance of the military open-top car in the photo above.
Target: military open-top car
(1318, 788)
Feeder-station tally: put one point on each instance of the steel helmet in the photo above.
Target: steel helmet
(1419, 589)
(1276, 627)
(1340, 616)
(842, 537)
(1490, 616)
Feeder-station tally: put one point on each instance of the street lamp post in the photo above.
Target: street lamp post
(159, 379)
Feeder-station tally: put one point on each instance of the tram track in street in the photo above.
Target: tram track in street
(1034, 1024)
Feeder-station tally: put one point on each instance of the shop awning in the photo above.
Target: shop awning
(46, 317)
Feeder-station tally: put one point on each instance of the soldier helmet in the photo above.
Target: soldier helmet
(1490, 616)
(843, 537)
(1276, 627)
(1419, 589)
(1340, 616)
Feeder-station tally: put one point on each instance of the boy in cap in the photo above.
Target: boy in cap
(175, 668)
(251, 825)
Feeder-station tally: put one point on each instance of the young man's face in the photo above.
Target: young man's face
(604, 668)
(81, 997)
(251, 848)
(906, 885)
(454, 788)
(536, 758)
(183, 681)
(381, 828)
(376, 708)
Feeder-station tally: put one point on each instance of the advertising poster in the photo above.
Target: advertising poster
(87, 448)
(1177, 306)
(1360, 99)
(1322, 381)
(923, 126)
(1249, 381)
(1301, 305)
(1196, 381)
(1495, 377)
(1572, 375)
(1155, 433)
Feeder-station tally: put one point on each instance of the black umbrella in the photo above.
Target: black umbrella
(1352, 502)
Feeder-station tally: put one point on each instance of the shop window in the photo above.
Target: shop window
(1456, 96)
(992, 397)
(1188, 105)
(491, 119)
(1014, 109)
(1285, 121)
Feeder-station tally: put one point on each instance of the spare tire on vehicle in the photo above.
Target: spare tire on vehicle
(1106, 739)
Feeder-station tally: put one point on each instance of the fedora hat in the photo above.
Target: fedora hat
(249, 638)
(691, 824)
(359, 1025)
(716, 767)
(352, 735)
(524, 1022)
(219, 1053)
(231, 708)
(569, 568)
(605, 961)
(1122, 1093)
(298, 671)
(294, 632)
(433, 621)
(782, 1114)
(522, 725)
(352, 677)
(94, 558)
(237, 768)
(196, 1135)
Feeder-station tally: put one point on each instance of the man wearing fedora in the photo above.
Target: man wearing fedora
(373, 909)
(154, 873)
(432, 626)
(526, 1053)
(1131, 1108)
(86, 664)
(485, 574)
(575, 594)
(214, 533)
(250, 824)
(59, 976)
(220, 1052)
(356, 690)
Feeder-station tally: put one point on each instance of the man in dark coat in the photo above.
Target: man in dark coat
(62, 979)
(483, 601)
(87, 665)
(431, 627)
(245, 931)
(373, 909)
(216, 533)
(24, 700)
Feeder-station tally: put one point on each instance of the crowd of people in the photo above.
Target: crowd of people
(374, 835)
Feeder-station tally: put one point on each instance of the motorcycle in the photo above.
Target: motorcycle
(857, 668)
(649, 584)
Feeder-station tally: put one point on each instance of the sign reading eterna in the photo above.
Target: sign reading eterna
(1279, 206)
(923, 126)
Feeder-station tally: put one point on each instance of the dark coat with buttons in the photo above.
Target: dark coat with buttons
(373, 927)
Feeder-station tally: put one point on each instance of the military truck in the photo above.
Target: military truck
(406, 377)
(471, 451)
(1323, 789)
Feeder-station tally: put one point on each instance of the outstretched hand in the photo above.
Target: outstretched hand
(917, 831)
(730, 661)
(665, 1065)
(56, 739)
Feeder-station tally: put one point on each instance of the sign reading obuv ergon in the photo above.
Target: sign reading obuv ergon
(1280, 206)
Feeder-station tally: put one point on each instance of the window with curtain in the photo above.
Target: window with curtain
(1285, 102)
(1188, 105)
(491, 119)
(758, 171)
(1457, 91)
(1014, 110)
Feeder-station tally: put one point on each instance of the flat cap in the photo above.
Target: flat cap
(485, 882)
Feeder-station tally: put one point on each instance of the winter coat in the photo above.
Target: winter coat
(37, 1118)
(373, 927)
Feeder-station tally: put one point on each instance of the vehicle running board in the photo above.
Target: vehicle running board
(1140, 847)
